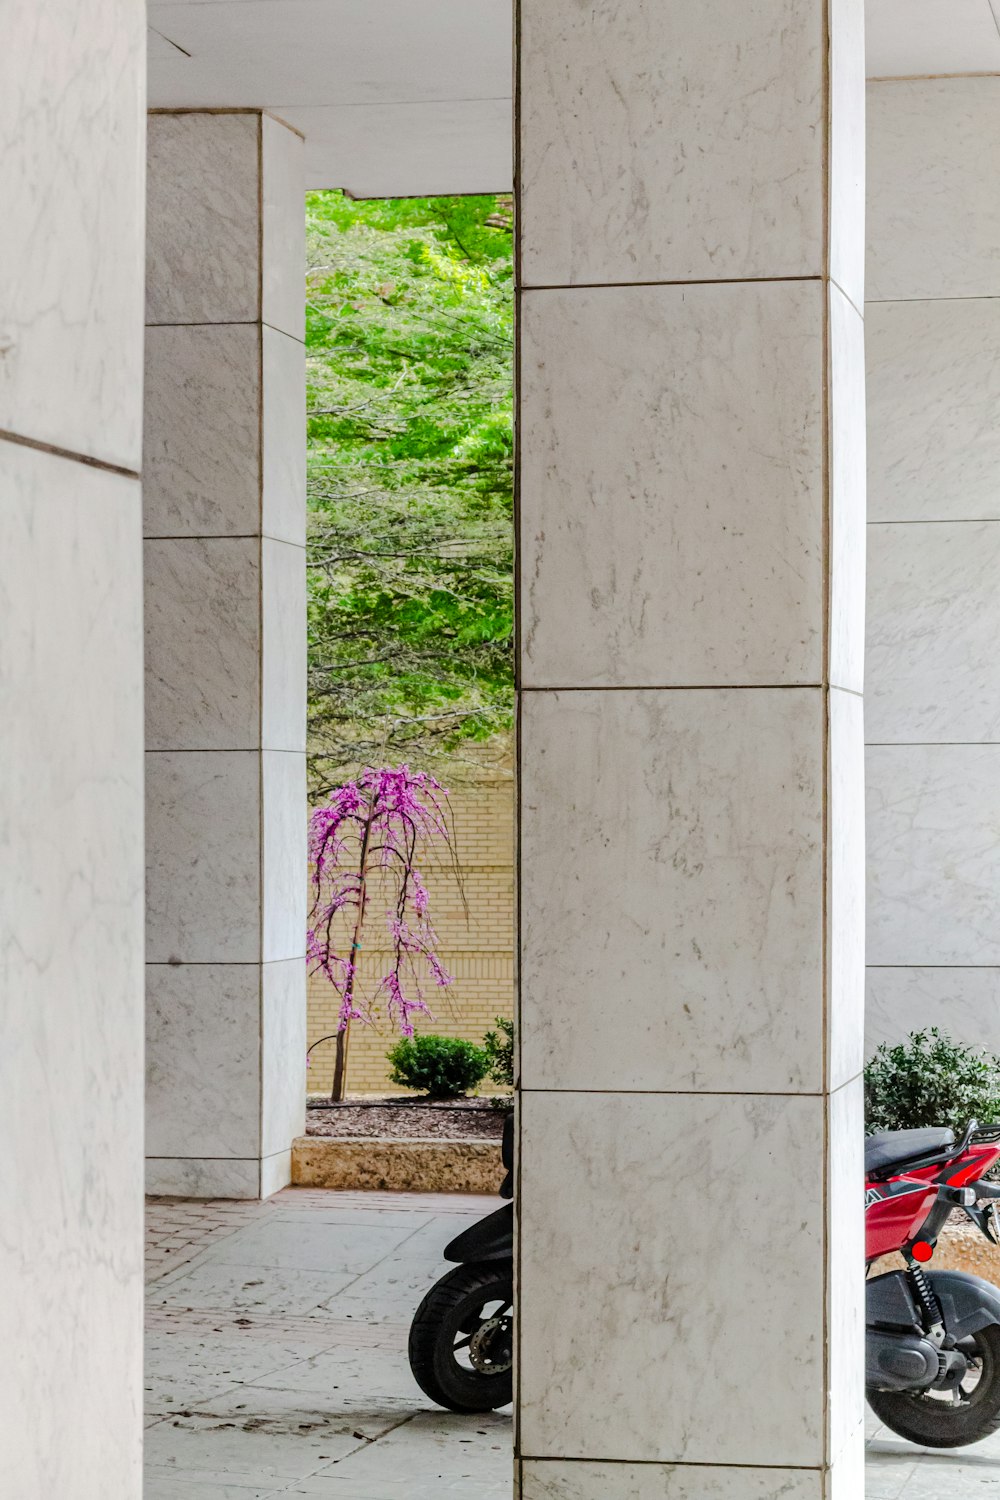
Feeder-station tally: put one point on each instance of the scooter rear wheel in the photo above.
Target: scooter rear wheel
(936, 1420)
(461, 1339)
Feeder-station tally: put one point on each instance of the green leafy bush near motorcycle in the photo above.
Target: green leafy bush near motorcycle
(930, 1079)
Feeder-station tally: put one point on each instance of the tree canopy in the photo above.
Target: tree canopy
(409, 338)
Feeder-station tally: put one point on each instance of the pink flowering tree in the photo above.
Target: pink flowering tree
(374, 831)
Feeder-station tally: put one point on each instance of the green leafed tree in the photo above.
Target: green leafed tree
(410, 378)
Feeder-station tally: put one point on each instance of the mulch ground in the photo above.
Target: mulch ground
(407, 1119)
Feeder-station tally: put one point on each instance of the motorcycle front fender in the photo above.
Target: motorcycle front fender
(491, 1239)
(967, 1302)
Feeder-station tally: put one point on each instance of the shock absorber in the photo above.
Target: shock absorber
(925, 1295)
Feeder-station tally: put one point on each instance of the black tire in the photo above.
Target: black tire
(468, 1301)
(934, 1421)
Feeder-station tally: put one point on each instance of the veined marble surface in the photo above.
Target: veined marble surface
(283, 657)
(672, 489)
(284, 821)
(72, 118)
(847, 494)
(845, 889)
(933, 664)
(70, 977)
(670, 143)
(203, 1093)
(202, 431)
(845, 1289)
(847, 147)
(556, 1479)
(692, 822)
(203, 842)
(933, 395)
(619, 1224)
(203, 227)
(203, 1177)
(933, 854)
(283, 230)
(283, 1054)
(202, 628)
(283, 421)
(933, 191)
(962, 1001)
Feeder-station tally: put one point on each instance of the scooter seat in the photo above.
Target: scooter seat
(894, 1148)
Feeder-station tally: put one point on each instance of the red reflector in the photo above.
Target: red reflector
(922, 1251)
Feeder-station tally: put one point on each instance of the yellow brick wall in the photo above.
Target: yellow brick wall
(478, 952)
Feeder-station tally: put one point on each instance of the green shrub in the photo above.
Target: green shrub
(443, 1067)
(499, 1048)
(930, 1079)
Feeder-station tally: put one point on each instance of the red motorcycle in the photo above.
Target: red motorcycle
(932, 1348)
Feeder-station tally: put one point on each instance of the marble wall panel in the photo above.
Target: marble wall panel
(635, 1167)
(847, 149)
(554, 1479)
(70, 976)
(203, 838)
(284, 817)
(201, 458)
(203, 1177)
(847, 494)
(203, 648)
(845, 1289)
(203, 218)
(932, 633)
(663, 557)
(283, 230)
(283, 661)
(283, 424)
(283, 1054)
(962, 1001)
(933, 854)
(933, 194)
(71, 251)
(275, 1172)
(933, 395)
(691, 822)
(202, 1059)
(845, 1019)
(612, 100)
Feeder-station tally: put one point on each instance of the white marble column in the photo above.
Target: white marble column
(72, 116)
(225, 653)
(934, 559)
(691, 558)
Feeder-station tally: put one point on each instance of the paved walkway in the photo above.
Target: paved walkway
(276, 1362)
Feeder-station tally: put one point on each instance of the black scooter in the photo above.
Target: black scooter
(462, 1335)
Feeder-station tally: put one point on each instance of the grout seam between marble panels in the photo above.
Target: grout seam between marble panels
(38, 445)
(694, 687)
(230, 536)
(232, 323)
(940, 521)
(600, 286)
(709, 1093)
(221, 750)
(673, 1463)
(903, 301)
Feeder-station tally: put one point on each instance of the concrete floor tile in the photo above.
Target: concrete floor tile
(183, 1371)
(249, 1288)
(302, 1243)
(349, 1377)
